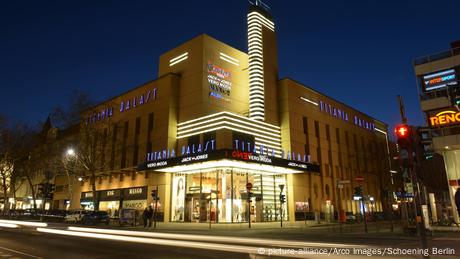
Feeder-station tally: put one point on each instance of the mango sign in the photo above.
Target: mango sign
(445, 118)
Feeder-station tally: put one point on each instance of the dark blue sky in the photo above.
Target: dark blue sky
(358, 52)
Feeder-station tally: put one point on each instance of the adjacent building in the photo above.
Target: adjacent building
(439, 91)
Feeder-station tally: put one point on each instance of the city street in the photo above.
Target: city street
(57, 240)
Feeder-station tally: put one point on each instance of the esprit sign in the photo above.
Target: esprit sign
(445, 118)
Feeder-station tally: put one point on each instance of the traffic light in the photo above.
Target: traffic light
(405, 143)
(282, 198)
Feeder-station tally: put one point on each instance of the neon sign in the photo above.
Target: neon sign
(100, 115)
(185, 151)
(262, 150)
(445, 118)
(138, 100)
(439, 80)
(219, 85)
(343, 115)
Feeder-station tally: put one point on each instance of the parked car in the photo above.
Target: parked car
(55, 215)
(75, 216)
(350, 218)
(96, 217)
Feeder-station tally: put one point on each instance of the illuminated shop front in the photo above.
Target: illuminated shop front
(113, 200)
(212, 186)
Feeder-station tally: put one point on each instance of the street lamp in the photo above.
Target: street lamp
(70, 152)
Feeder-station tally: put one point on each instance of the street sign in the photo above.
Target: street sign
(343, 181)
(340, 186)
(249, 186)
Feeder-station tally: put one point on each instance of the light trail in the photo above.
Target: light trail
(24, 223)
(237, 240)
(8, 225)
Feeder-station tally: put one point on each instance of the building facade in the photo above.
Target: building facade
(221, 138)
(439, 91)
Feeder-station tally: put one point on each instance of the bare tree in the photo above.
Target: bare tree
(11, 142)
(65, 117)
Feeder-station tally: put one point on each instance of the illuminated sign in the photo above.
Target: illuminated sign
(138, 100)
(215, 155)
(185, 150)
(99, 116)
(439, 80)
(219, 85)
(445, 118)
(263, 150)
(343, 115)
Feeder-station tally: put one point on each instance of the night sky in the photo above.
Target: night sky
(358, 52)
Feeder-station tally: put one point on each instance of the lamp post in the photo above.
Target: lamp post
(70, 154)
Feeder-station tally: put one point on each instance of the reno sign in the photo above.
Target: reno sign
(445, 118)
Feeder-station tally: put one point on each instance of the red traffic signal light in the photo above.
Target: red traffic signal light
(402, 131)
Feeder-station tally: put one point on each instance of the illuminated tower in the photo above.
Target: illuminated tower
(263, 64)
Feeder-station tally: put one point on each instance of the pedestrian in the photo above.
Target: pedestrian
(145, 216)
(150, 215)
(457, 200)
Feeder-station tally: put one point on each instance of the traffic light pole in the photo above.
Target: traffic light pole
(407, 132)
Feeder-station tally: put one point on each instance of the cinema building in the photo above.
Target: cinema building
(439, 91)
(216, 119)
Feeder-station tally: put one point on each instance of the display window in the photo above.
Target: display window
(220, 196)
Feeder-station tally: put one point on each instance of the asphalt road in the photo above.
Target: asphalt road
(27, 244)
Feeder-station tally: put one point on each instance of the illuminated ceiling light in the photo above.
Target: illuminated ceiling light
(230, 114)
(250, 128)
(278, 144)
(223, 120)
(309, 101)
(229, 128)
(178, 61)
(381, 131)
(229, 61)
(178, 57)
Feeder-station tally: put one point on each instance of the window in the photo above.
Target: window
(150, 123)
(328, 134)
(305, 125)
(317, 129)
(138, 125)
(337, 135)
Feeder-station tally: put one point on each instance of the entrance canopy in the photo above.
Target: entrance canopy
(229, 159)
